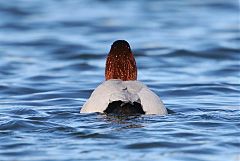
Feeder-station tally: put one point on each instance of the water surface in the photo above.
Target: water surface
(53, 56)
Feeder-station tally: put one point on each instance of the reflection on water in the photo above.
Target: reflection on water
(124, 122)
(53, 56)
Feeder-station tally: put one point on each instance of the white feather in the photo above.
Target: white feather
(126, 91)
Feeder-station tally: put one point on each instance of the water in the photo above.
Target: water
(53, 55)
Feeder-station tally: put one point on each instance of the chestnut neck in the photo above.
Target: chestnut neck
(120, 62)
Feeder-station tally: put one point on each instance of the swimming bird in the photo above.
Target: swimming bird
(121, 92)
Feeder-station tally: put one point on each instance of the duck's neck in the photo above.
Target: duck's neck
(121, 66)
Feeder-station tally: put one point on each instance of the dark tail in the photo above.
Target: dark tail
(121, 108)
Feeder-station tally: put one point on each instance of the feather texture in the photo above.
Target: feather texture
(125, 91)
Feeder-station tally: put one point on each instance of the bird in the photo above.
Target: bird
(121, 93)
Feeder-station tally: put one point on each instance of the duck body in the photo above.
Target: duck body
(121, 93)
(124, 97)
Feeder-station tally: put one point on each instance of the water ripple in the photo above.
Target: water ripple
(53, 56)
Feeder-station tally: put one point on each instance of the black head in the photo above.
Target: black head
(120, 44)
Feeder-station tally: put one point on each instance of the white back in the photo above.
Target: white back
(126, 91)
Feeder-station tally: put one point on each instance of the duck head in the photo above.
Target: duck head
(120, 62)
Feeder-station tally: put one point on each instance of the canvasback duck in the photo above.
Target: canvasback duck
(121, 93)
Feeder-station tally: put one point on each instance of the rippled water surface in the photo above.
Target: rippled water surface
(53, 54)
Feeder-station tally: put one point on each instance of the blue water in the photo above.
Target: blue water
(52, 56)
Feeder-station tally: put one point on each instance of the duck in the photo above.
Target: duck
(121, 93)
